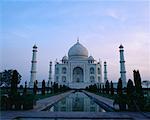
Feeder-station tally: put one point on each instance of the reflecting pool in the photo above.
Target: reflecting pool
(77, 101)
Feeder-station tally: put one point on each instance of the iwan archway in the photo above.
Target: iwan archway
(78, 75)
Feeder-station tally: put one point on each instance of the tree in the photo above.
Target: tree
(14, 82)
(25, 88)
(55, 87)
(121, 98)
(6, 77)
(47, 87)
(103, 89)
(51, 88)
(43, 87)
(139, 101)
(21, 87)
(119, 87)
(100, 89)
(107, 87)
(137, 81)
(112, 88)
(94, 88)
(130, 95)
(35, 87)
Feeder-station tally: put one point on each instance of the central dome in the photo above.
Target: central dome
(78, 50)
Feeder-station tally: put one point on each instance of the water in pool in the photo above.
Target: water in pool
(76, 102)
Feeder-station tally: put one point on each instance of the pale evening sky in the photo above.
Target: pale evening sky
(54, 25)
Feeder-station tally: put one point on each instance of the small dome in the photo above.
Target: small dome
(78, 50)
(65, 58)
(91, 58)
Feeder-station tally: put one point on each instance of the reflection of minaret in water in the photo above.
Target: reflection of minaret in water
(33, 67)
(50, 74)
(105, 72)
(122, 66)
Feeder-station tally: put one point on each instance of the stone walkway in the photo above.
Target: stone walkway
(45, 115)
(105, 100)
(43, 103)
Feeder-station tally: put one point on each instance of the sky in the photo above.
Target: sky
(55, 25)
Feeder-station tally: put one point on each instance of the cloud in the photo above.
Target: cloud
(115, 14)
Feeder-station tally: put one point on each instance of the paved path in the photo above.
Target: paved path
(105, 100)
(43, 103)
(45, 115)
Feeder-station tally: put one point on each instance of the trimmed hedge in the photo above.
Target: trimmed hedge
(17, 102)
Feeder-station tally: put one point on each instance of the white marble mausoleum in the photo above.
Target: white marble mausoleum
(78, 69)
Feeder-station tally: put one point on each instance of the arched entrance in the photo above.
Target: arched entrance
(77, 75)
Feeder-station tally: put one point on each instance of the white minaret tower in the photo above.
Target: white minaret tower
(50, 74)
(33, 67)
(105, 72)
(122, 66)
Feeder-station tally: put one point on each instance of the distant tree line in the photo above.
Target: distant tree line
(53, 88)
(108, 88)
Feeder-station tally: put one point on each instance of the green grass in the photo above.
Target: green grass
(36, 97)
(40, 96)
(105, 95)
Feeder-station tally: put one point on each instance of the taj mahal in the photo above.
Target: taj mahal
(77, 70)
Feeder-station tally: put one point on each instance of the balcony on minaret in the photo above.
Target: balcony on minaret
(35, 47)
(121, 47)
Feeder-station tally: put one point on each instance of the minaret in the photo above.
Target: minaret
(105, 72)
(33, 67)
(122, 66)
(50, 74)
(100, 62)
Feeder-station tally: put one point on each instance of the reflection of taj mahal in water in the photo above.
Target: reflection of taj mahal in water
(78, 70)
(76, 102)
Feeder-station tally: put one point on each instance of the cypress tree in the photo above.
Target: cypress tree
(139, 101)
(94, 88)
(130, 95)
(119, 87)
(107, 87)
(100, 89)
(121, 98)
(25, 88)
(103, 89)
(112, 88)
(43, 87)
(55, 87)
(35, 87)
(137, 81)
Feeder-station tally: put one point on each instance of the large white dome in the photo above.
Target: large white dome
(78, 50)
